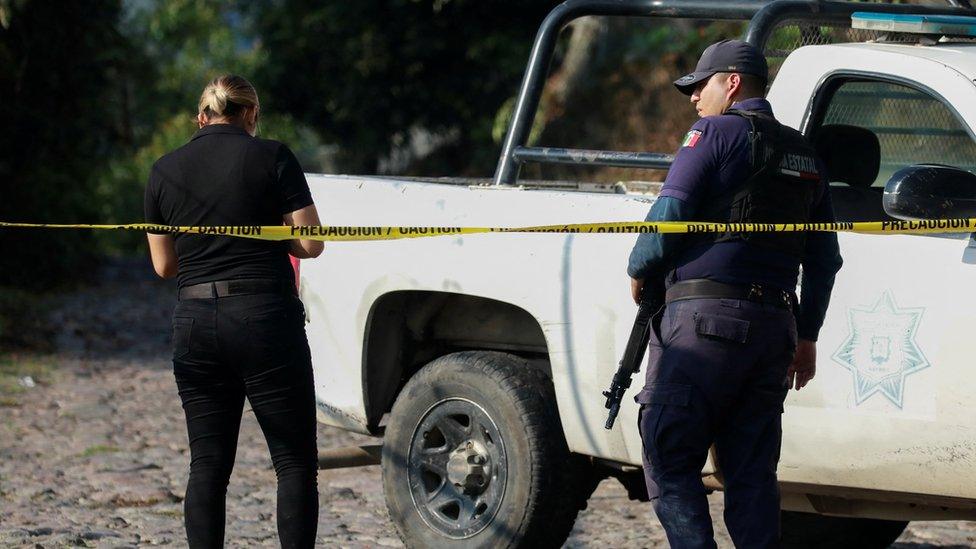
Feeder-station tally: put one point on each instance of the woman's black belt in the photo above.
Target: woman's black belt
(703, 288)
(226, 288)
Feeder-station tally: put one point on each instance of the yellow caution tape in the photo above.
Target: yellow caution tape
(345, 233)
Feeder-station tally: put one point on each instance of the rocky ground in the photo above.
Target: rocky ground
(93, 449)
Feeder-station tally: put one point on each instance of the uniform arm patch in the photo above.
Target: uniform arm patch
(691, 138)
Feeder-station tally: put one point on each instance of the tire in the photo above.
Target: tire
(810, 531)
(474, 456)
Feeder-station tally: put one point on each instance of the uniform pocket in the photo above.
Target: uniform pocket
(665, 393)
(182, 330)
(673, 427)
(720, 327)
(666, 421)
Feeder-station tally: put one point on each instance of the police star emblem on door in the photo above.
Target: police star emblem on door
(880, 350)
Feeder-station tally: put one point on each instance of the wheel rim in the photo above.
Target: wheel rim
(457, 468)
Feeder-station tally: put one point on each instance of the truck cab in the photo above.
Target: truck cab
(892, 350)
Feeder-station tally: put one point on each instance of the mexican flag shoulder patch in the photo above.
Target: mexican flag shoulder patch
(691, 138)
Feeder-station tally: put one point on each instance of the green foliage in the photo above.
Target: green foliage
(675, 39)
(504, 117)
(185, 43)
(56, 92)
(368, 73)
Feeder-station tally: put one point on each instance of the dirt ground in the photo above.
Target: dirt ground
(93, 449)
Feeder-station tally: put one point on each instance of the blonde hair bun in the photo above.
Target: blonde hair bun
(227, 96)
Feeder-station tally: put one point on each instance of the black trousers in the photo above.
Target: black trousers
(223, 350)
(716, 375)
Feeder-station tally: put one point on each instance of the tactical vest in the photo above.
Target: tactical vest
(781, 188)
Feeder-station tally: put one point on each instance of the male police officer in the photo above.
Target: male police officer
(732, 339)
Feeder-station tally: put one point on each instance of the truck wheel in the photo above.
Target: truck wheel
(809, 531)
(474, 454)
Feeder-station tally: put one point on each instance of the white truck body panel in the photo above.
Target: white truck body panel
(552, 276)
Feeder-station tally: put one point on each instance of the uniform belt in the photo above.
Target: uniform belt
(702, 288)
(226, 288)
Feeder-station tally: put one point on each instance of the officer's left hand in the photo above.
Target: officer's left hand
(804, 365)
(636, 289)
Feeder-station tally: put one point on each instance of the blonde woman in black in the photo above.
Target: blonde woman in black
(238, 327)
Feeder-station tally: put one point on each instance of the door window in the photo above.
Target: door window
(912, 127)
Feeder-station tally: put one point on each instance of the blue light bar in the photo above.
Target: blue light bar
(942, 25)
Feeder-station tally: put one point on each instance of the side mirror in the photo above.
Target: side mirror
(930, 191)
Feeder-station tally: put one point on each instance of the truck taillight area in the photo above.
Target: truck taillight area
(296, 265)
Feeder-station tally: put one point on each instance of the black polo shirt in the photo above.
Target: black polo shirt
(224, 176)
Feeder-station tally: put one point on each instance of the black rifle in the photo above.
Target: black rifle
(652, 299)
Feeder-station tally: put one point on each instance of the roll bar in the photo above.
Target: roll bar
(763, 16)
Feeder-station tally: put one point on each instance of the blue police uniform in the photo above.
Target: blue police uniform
(717, 367)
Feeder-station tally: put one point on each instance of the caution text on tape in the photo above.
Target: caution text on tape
(359, 233)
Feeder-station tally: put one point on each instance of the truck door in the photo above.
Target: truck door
(895, 380)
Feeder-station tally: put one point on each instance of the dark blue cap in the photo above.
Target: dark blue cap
(725, 56)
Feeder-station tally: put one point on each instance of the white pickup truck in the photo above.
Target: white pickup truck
(480, 359)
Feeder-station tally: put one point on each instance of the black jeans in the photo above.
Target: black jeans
(223, 350)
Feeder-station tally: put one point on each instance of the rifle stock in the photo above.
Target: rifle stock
(652, 299)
